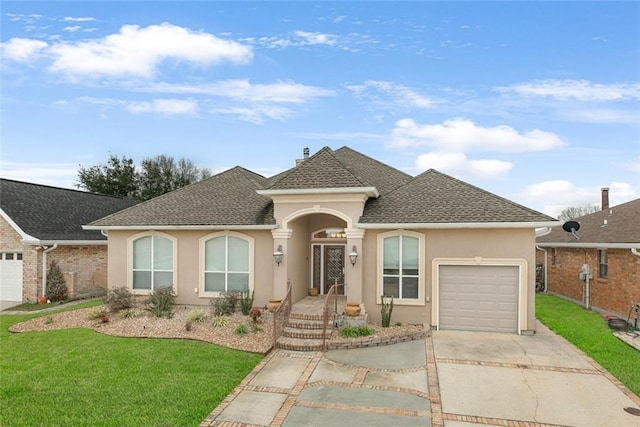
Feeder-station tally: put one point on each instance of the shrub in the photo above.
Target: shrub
(226, 304)
(255, 328)
(385, 311)
(161, 302)
(56, 288)
(255, 314)
(197, 316)
(129, 313)
(241, 330)
(97, 313)
(219, 321)
(355, 331)
(246, 301)
(188, 325)
(118, 299)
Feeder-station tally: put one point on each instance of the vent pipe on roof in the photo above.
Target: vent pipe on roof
(605, 198)
(305, 156)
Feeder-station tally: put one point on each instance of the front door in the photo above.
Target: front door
(333, 266)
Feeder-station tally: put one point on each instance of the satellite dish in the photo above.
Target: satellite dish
(571, 227)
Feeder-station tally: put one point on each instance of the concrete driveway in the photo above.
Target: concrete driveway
(452, 379)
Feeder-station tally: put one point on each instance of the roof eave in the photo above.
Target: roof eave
(36, 242)
(454, 225)
(588, 245)
(181, 227)
(16, 227)
(369, 191)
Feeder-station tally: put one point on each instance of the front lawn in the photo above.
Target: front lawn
(588, 331)
(79, 377)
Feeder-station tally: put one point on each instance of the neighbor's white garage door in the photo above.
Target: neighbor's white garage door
(10, 276)
(479, 298)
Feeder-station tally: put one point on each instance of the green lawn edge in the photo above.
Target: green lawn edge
(589, 331)
(78, 377)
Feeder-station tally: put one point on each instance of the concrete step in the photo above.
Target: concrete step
(304, 334)
(297, 344)
(304, 324)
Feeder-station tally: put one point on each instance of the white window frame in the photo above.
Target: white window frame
(201, 266)
(153, 234)
(422, 273)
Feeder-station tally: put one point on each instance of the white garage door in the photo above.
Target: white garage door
(479, 298)
(10, 276)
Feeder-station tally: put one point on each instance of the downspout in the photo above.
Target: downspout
(545, 266)
(44, 267)
(635, 251)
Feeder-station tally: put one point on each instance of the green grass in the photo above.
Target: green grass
(78, 377)
(589, 332)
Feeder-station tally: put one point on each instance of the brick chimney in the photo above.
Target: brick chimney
(605, 198)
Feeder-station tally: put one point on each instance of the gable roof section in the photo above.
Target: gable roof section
(622, 228)
(226, 199)
(52, 214)
(322, 170)
(436, 198)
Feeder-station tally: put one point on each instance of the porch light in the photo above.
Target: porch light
(353, 255)
(278, 254)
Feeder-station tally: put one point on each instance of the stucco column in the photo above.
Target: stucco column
(354, 272)
(281, 237)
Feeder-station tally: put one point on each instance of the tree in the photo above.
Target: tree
(162, 174)
(56, 289)
(574, 212)
(118, 177)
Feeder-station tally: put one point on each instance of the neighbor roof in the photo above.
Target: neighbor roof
(56, 214)
(239, 197)
(615, 225)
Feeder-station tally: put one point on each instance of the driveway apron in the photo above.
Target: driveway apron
(452, 379)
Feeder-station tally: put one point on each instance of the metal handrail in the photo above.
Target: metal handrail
(332, 294)
(282, 313)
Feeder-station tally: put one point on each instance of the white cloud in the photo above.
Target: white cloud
(307, 38)
(601, 116)
(244, 90)
(399, 94)
(580, 90)
(457, 164)
(557, 195)
(72, 29)
(459, 135)
(136, 51)
(338, 136)
(634, 165)
(164, 106)
(22, 50)
(256, 114)
(55, 174)
(78, 19)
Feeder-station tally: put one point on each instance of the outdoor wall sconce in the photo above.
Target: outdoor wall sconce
(278, 254)
(353, 255)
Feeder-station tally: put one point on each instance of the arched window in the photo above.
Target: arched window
(226, 263)
(401, 266)
(152, 262)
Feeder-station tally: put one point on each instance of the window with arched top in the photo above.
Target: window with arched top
(152, 261)
(226, 263)
(401, 266)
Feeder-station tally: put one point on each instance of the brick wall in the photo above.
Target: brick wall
(85, 267)
(614, 294)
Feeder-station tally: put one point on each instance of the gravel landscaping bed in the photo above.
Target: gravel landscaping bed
(148, 326)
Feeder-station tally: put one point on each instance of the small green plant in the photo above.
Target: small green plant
(385, 311)
(161, 302)
(226, 304)
(246, 301)
(97, 313)
(398, 323)
(355, 331)
(118, 299)
(241, 330)
(255, 327)
(220, 321)
(48, 320)
(56, 289)
(129, 313)
(197, 316)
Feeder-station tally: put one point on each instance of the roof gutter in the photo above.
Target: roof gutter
(589, 245)
(458, 225)
(36, 242)
(369, 191)
(179, 227)
(44, 267)
(635, 251)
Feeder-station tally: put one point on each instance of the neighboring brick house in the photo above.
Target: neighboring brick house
(39, 224)
(452, 255)
(609, 242)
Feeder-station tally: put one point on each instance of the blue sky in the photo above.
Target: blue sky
(538, 102)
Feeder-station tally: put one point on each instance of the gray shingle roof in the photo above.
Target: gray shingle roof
(51, 213)
(623, 226)
(434, 197)
(228, 198)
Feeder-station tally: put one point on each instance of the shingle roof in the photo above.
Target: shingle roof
(622, 226)
(56, 214)
(228, 198)
(434, 197)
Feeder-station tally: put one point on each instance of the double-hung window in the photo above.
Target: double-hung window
(226, 263)
(603, 265)
(152, 262)
(402, 269)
